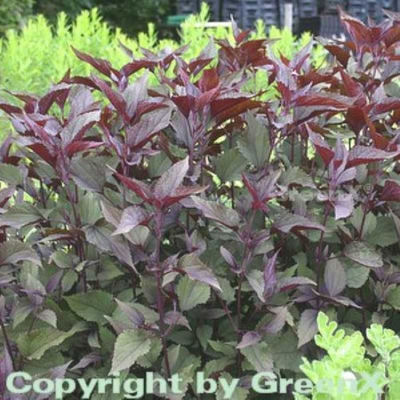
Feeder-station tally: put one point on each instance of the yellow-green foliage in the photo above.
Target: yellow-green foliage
(33, 59)
(39, 55)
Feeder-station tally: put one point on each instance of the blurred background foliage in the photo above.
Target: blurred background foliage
(132, 16)
(13, 13)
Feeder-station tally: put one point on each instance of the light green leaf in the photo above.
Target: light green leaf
(284, 351)
(64, 260)
(158, 164)
(384, 234)
(256, 281)
(198, 271)
(307, 326)
(129, 346)
(259, 356)
(296, 176)
(363, 254)
(89, 173)
(20, 215)
(230, 165)
(204, 333)
(393, 297)
(356, 275)
(21, 312)
(239, 393)
(226, 349)
(217, 365)
(150, 358)
(192, 293)
(228, 293)
(384, 340)
(218, 212)
(49, 317)
(369, 223)
(92, 306)
(255, 145)
(11, 174)
(14, 251)
(34, 344)
(89, 209)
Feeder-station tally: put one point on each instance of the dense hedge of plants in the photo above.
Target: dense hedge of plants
(191, 226)
(36, 57)
(50, 53)
(131, 16)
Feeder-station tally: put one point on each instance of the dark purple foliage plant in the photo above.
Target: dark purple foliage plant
(192, 226)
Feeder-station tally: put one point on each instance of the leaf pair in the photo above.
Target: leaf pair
(169, 188)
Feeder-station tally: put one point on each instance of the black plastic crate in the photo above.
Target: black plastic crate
(330, 25)
(388, 4)
(187, 6)
(232, 8)
(359, 12)
(312, 25)
(308, 8)
(215, 10)
(246, 12)
(267, 10)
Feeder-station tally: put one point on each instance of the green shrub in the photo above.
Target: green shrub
(352, 370)
(32, 65)
(29, 64)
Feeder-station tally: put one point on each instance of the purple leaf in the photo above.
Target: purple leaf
(248, 339)
(228, 257)
(54, 281)
(131, 218)
(391, 191)
(323, 149)
(308, 327)
(181, 193)
(176, 318)
(140, 188)
(224, 215)
(148, 126)
(80, 146)
(100, 65)
(363, 155)
(335, 277)
(278, 322)
(6, 368)
(171, 180)
(289, 222)
(344, 206)
(115, 98)
(198, 271)
(270, 279)
(76, 128)
(122, 251)
(87, 360)
(134, 316)
(347, 175)
(294, 282)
